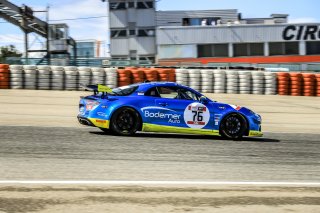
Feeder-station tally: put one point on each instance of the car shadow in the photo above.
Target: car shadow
(195, 137)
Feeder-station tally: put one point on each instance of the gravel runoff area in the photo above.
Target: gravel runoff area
(59, 108)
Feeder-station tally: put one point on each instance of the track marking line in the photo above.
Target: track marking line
(93, 182)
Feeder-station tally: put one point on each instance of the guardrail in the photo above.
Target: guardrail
(205, 80)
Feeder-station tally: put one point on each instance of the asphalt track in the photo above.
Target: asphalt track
(48, 153)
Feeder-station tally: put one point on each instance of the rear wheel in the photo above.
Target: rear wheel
(125, 121)
(233, 126)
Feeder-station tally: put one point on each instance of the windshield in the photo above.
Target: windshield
(124, 91)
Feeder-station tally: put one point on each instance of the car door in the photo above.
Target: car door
(179, 107)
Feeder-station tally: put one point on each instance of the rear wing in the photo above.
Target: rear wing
(96, 88)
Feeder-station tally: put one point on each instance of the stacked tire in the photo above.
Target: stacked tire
(283, 83)
(206, 81)
(98, 75)
(111, 77)
(137, 76)
(164, 74)
(124, 77)
(182, 77)
(244, 82)
(16, 77)
(194, 79)
(257, 82)
(84, 76)
(232, 79)
(295, 84)
(30, 76)
(219, 81)
(270, 83)
(71, 78)
(4, 76)
(57, 77)
(44, 75)
(309, 84)
(318, 84)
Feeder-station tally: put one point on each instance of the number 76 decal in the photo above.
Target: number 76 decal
(196, 115)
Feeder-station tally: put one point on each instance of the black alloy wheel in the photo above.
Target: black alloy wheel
(233, 126)
(125, 121)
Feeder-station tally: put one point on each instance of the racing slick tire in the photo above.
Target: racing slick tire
(233, 126)
(125, 122)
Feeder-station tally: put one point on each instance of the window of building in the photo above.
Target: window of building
(145, 5)
(131, 4)
(313, 47)
(118, 33)
(117, 5)
(284, 48)
(132, 32)
(146, 32)
(213, 50)
(248, 49)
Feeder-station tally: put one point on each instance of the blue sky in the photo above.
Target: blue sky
(298, 10)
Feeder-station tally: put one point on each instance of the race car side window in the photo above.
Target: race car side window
(187, 95)
(168, 92)
(152, 92)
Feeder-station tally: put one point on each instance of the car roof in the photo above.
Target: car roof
(147, 85)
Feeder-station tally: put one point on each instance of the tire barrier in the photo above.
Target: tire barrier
(182, 77)
(71, 78)
(232, 82)
(4, 76)
(194, 79)
(57, 77)
(219, 81)
(244, 82)
(205, 80)
(258, 87)
(309, 84)
(16, 76)
(283, 83)
(318, 84)
(30, 77)
(270, 83)
(111, 77)
(44, 76)
(295, 88)
(98, 75)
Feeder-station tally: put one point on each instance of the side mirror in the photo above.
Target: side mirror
(203, 100)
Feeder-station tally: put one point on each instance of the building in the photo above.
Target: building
(210, 37)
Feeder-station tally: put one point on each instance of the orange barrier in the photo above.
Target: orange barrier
(4, 76)
(151, 75)
(124, 77)
(283, 83)
(138, 76)
(318, 84)
(295, 84)
(309, 84)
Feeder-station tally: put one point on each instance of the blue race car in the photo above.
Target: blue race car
(164, 107)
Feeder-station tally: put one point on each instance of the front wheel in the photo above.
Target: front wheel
(125, 121)
(233, 126)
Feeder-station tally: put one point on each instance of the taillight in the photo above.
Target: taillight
(90, 105)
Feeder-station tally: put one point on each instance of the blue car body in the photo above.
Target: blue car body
(165, 114)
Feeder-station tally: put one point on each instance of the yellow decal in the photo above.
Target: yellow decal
(170, 129)
(100, 123)
(102, 88)
(255, 134)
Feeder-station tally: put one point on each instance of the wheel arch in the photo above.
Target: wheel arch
(131, 107)
(238, 113)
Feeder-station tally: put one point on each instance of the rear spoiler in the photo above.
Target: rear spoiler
(96, 88)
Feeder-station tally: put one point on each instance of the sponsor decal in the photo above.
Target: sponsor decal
(236, 107)
(217, 118)
(141, 93)
(302, 32)
(102, 114)
(196, 115)
(101, 121)
(171, 116)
